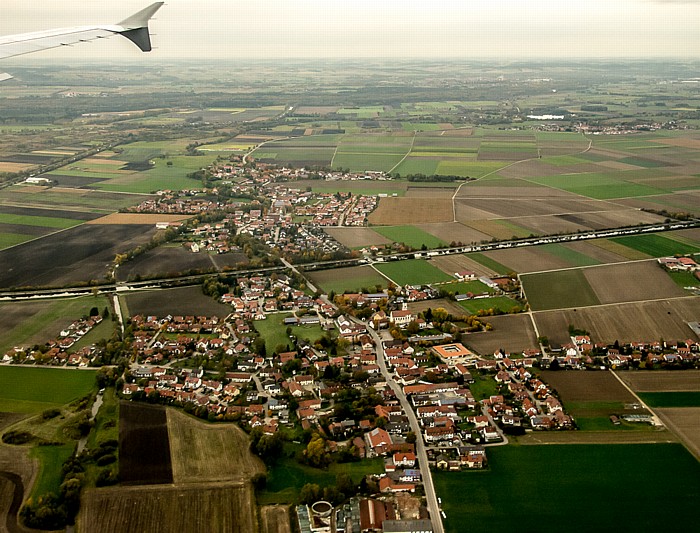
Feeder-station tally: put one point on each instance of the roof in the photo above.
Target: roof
(453, 350)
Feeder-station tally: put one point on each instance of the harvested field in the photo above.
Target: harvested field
(662, 380)
(356, 237)
(631, 282)
(220, 508)
(548, 225)
(459, 263)
(144, 448)
(178, 301)
(528, 259)
(594, 251)
(397, 211)
(498, 229)
(454, 232)
(685, 422)
(639, 321)
(166, 260)
(430, 192)
(68, 257)
(558, 289)
(513, 333)
(14, 167)
(275, 519)
(496, 189)
(587, 386)
(348, 279)
(448, 305)
(207, 452)
(138, 219)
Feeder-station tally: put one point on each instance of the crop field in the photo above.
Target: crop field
(493, 500)
(87, 201)
(504, 303)
(512, 333)
(274, 519)
(671, 399)
(498, 229)
(562, 289)
(350, 279)
(464, 287)
(529, 259)
(30, 323)
(448, 305)
(166, 260)
(451, 264)
(489, 263)
(356, 237)
(33, 389)
(631, 282)
(78, 254)
(627, 322)
(209, 452)
(656, 245)
(685, 422)
(662, 381)
(193, 508)
(137, 219)
(413, 272)
(411, 210)
(410, 236)
(144, 448)
(177, 301)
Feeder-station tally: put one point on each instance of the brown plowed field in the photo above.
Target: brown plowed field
(398, 211)
(513, 333)
(662, 381)
(527, 191)
(274, 519)
(684, 421)
(144, 449)
(356, 237)
(206, 452)
(639, 321)
(458, 263)
(631, 282)
(680, 201)
(454, 231)
(587, 386)
(430, 192)
(138, 218)
(178, 301)
(528, 259)
(526, 207)
(194, 508)
(590, 249)
(549, 225)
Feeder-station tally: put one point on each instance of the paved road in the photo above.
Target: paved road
(421, 454)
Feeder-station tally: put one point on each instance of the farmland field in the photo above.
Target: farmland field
(512, 333)
(685, 422)
(662, 381)
(656, 245)
(411, 210)
(451, 264)
(504, 303)
(626, 322)
(144, 448)
(671, 399)
(493, 500)
(351, 279)
(413, 272)
(32, 389)
(209, 452)
(562, 289)
(356, 237)
(178, 301)
(410, 236)
(631, 282)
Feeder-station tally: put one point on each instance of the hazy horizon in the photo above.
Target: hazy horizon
(392, 29)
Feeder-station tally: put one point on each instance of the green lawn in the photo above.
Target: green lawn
(656, 245)
(483, 387)
(558, 290)
(671, 399)
(410, 235)
(463, 287)
(273, 330)
(574, 488)
(33, 389)
(413, 272)
(51, 459)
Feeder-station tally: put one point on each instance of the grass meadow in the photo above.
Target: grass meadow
(413, 272)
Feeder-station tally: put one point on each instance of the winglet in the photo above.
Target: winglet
(5, 76)
(136, 26)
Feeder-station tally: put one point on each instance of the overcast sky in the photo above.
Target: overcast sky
(379, 28)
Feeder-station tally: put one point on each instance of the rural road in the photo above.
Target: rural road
(430, 496)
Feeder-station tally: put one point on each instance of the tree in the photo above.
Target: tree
(315, 452)
(310, 493)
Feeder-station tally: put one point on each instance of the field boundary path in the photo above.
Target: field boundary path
(410, 149)
(657, 420)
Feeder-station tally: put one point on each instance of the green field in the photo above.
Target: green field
(656, 245)
(505, 304)
(343, 281)
(13, 239)
(44, 222)
(33, 389)
(558, 290)
(574, 488)
(287, 477)
(464, 287)
(671, 399)
(410, 235)
(489, 263)
(573, 257)
(51, 459)
(413, 272)
(273, 330)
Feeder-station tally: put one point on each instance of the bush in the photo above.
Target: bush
(18, 437)
(50, 413)
(106, 459)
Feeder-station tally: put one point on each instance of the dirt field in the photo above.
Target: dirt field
(67, 257)
(193, 508)
(685, 422)
(662, 381)
(454, 231)
(398, 211)
(274, 519)
(448, 305)
(13, 167)
(640, 321)
(547, 225)
(632, 282)
(528, 259)
(513, 333)
(356, 237)
(206, 452)
(458, 263)
(178, 301)
(432, 192)
(591, 249)
(587, 386)
(144, 449)
(138, 218)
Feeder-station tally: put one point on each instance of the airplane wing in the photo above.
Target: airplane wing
(134, 28)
